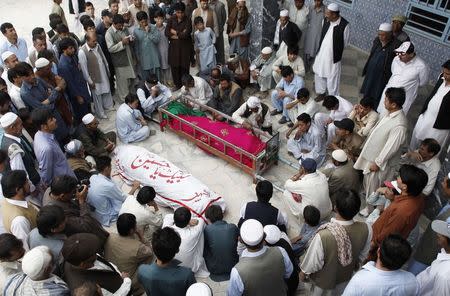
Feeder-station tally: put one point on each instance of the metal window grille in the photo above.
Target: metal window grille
(347, 3)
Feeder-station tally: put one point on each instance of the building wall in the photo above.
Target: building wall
(366, 15)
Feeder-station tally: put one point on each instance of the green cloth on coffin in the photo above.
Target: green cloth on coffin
(178, 108)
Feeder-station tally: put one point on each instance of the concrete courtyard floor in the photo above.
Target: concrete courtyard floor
(235, 186)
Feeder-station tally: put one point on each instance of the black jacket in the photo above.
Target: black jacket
(443, 117)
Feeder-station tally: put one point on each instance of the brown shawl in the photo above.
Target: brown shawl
(233, 19)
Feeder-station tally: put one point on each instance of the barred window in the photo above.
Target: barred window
(348, 3)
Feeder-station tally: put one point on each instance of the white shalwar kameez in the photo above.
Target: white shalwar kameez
(327, 74)
(409, 76)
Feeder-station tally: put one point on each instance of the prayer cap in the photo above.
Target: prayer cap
(73, 146)
(240, 1)
(441, 227)
(406, 47)
(80, 247)
(393, 185)
(35, 261)
(339, 155)
(233, 58)
(266, 50)
(333, 7)
(199, 289)
(252, 232)
(284, 13)
(385, 27)
(309, 164)
(161, 5)
(6, 55)
(346, 124)
(106, 12)
(41, 63)
(88, 118)
(253, 102)
(273, 234)
(399, 18)
(8, 119)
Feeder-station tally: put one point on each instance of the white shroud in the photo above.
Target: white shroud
(174, 187)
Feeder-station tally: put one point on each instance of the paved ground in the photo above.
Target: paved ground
(236, 187)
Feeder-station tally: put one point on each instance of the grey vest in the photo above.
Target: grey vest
(119, 59)
(92, 63)
(263, 275)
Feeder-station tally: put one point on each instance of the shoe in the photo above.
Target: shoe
(290, 124)
(152, 132)
(275, 112)
(364, 212)
(319, 98)
(283, 120)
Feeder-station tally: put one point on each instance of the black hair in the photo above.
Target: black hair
(12, 74)
(65, 43)
(5, 26)
(141, 15)
(446, 65)
(311, 215)
(181, 217)
(82, 174)
(367, 102)
(103, 162)
(118, 19)
(214, 213)
(347, 203)
(225, 77)
(396, 95)
(303, 93)
(37, 31)
(46, 54)
(24, 114)
(63, 184)
(165, 243)
(264, 191)
(62, 28)
(330, 102)
(88, 4)
(432, 145)
(198, 20)
(84, 18)
(53, 16)
(304, 117)
(12, 181)
(8, 243)
(48, 218)
(4, 98)
(41, 117)
(54, 22)
(125, 223)
(3, 155)
(394, 252)
(159, 13)
(187, 79)
(152, 79)
(112, 2)
(23, 69)
(2, 81)
(146, 195)
(131, 98)
(293, 49)
(416, 179)
(286, 71)
(89, 23)
(179, 6)
(38, 37)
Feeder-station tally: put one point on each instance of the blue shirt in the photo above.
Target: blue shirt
(20, 49)
(127, 122)
(51, 159)
(371, 281)
(106, 197)
(76, 85)
(293, 87)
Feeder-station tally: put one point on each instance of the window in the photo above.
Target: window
(430, 18)
(347, 3)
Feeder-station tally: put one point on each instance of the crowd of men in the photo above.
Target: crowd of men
(66, 227)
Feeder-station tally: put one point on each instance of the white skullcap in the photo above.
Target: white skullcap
(333, 7)
(339, 155)
(199, 289)
(73, 146)
(252, 67)
(88, 118)
(253, 102)
(252, 232)
(240, 1)
(273, 234)
(6, 55)
(385, 27)
(284, 13)
(161, 5)
(8, 119)
(41, 63)
(266, 50)
(404, 47)
(36, 261)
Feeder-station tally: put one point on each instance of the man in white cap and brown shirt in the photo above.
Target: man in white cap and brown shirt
(261, 69)
(254, 114)
(327, 65)
(9, 60)
(287, 34)
(409, 72)
(377, 70)
(261, 270)
(95, 142)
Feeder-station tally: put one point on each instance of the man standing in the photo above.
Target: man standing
(9, 60)
(313, 32)
(95, 142)
(287, 34)
(136, 7)
(434, 121)
(208, 15)
(409, 72)
(261, 271)
(398, 22)
(308, 187)
(377, 70)
(261, 69)
(238, 29)
(179, 31)
(94, 66)
(58, 10)
(382, 145)
(52, 161)
(342, 244)
(327, 66)
(227, 96)
(131, 126)
(118, 40)
(219, 8)
(69, 69)
(39, 44)
(13, 43)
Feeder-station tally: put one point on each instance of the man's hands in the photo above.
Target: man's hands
(247, 125)
(82, 195)
(110, 146)
(126, 40)
(193, 222)
(134, 186)
(414, 155)
(374, 167)
(60, 83)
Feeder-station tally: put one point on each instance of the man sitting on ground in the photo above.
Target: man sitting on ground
(254, 114)
(302, 104)
(152, 94)
(95, 142)
(196, 88)
(346, 139)
(364, 117)
(227, 97)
